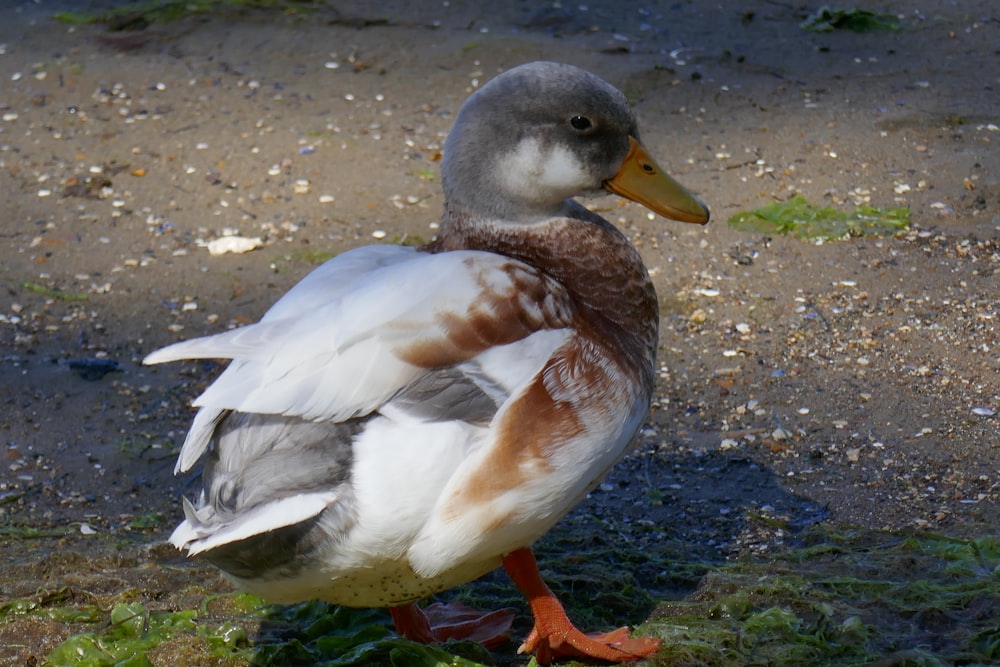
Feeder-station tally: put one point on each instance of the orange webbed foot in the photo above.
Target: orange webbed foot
(440, 622)
(554, 636)
(615, 646)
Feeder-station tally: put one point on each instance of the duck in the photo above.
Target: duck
(407, 419)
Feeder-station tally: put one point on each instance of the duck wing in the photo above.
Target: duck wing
(385, 329)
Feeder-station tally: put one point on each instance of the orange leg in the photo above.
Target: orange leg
(438, 622)
(554, 636)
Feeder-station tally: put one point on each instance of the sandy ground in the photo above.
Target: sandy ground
(854, 382)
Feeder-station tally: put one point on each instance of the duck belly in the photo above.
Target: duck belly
(386, 583)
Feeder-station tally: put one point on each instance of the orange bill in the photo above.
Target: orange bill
(641, 180)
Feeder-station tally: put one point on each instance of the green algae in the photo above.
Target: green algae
(138, 14)
(53, 293)
(311, 257)
(20, 531)
(835, 596)
(800, 218)
(851, 598)
(132, 631)
(828, 19)
(311, 633)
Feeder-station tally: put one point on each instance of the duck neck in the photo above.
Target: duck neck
(590, 257)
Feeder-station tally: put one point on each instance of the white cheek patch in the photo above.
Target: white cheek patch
(533, 174)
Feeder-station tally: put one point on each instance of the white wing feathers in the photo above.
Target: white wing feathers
(330, 349)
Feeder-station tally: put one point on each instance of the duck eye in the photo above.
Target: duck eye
(580, 123)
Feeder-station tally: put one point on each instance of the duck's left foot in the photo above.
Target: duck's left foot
(437, 623)
(554, 636)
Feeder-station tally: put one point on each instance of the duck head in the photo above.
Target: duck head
(542, 133)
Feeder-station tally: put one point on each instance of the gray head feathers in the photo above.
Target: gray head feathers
(565, 129)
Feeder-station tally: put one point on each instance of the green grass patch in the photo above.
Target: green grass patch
(800, 218)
